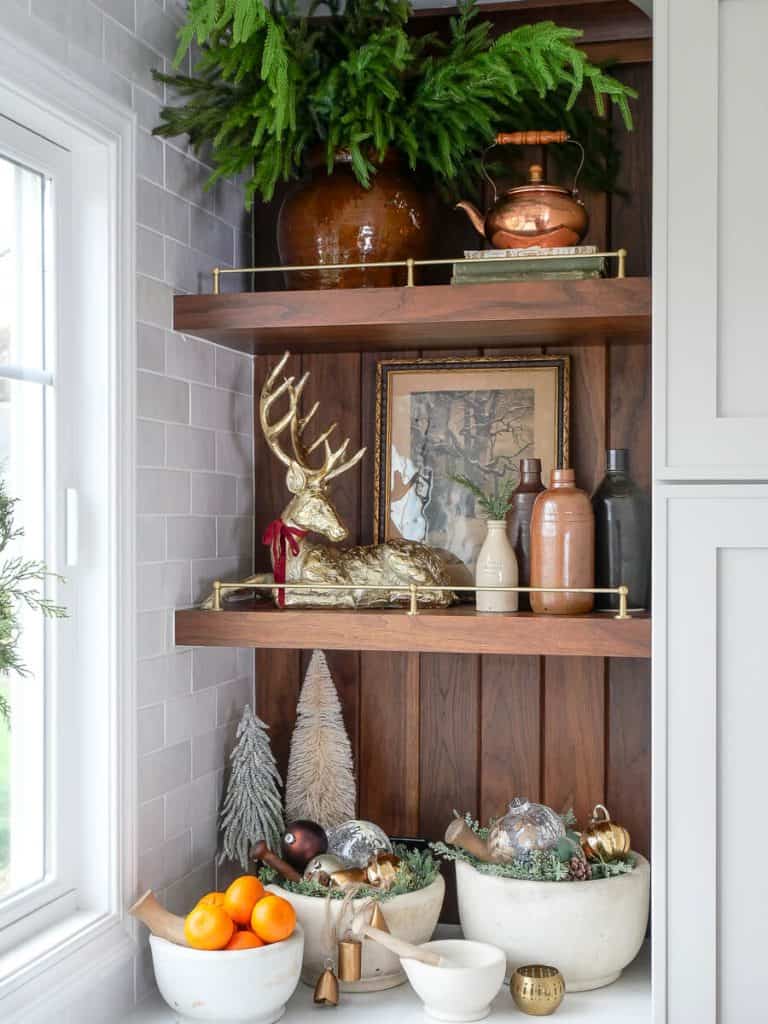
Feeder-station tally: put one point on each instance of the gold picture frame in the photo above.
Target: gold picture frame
(474, 415)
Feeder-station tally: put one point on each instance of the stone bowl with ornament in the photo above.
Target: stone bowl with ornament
(411, 916)
(590, 928)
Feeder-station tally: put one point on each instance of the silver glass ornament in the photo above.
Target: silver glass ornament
(526, 826)
(320, 868)
(356, 841)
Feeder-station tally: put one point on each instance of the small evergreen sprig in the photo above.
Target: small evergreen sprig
(493, 506)
(20, 581)
(269, 84)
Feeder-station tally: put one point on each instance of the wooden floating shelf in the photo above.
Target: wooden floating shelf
(460, 630)
(427, 316)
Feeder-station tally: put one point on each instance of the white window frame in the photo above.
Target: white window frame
(78, 939)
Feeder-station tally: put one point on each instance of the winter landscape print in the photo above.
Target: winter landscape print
(475, 422)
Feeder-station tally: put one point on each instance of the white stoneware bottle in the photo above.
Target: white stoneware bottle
(496, 567)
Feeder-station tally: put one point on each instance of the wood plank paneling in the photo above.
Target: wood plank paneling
(389, 742)
(510, 732)
(628, 766)
(449, 739)
(574, 733)
(278, 681)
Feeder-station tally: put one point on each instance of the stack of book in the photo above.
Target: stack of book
(489, 266)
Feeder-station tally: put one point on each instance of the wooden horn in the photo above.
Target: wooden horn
(460, 834)
(260, 851)
(161, 922)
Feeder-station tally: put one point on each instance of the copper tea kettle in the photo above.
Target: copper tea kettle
(536, 213)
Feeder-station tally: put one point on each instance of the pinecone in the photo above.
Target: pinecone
(579, 869)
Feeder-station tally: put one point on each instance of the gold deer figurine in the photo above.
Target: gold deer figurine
(398, 563)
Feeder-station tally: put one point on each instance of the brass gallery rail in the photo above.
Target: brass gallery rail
(413, 590)
(620, 255)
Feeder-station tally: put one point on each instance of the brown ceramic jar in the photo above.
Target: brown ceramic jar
(519, 521)
(562, 546)
(331, 218)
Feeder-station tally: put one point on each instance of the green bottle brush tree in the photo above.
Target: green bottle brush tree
(269, 84)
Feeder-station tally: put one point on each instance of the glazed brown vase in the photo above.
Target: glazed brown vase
(331, 218)
(519, 521)
(562, 546)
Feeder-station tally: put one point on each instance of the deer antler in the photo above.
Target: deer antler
(333, 464)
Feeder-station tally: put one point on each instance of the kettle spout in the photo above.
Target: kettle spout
(478, 220)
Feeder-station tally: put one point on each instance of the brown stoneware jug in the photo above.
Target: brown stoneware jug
(519, 521)
(331, 218)
(562, 546)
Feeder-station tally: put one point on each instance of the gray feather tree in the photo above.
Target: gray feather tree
(320, 784)
(252, 808)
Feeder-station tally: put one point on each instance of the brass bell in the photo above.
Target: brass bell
(604, 839)
(378, 920)
(350, 960)
(327, 987)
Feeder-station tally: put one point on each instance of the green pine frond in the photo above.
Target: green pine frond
(268, 84)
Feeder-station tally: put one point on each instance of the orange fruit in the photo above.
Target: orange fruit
(273, 918)
(208, 927)
(241, 897)
(244, 940)
(214, 899)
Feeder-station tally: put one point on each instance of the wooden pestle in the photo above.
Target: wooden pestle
(260, 851)
(401, 948)
(161, 922)
(460, 834)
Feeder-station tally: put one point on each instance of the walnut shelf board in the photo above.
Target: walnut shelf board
(459, 630)
(427, 316)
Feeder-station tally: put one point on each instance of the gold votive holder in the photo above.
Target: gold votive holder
(537, 990)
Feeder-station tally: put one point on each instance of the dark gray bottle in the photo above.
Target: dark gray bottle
(519, 522)
(622, 534)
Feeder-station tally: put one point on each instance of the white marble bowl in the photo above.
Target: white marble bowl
(464, 987)
(412, 916)
(230, 987)
(590, 931)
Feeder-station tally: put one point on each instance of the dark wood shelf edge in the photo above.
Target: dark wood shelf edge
(456, 631)
(427, 316)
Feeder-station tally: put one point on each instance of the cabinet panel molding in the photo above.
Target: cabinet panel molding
(710, 706)
(710, 303)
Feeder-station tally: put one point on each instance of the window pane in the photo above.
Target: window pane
(22, 280)
(23, 230)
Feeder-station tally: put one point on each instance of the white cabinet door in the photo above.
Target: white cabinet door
(710, 232)
(710, 725)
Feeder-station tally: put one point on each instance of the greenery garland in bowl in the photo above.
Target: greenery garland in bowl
(270, 84)
(417, 870)
(537, 865)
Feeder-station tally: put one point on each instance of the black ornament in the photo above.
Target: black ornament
(302, 841)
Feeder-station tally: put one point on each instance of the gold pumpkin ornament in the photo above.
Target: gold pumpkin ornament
(604, 839)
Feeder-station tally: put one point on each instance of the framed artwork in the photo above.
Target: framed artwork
(476, 417)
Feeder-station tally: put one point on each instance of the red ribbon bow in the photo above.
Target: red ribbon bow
(278, 534)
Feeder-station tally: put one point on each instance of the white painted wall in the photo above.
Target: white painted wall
(194, 446)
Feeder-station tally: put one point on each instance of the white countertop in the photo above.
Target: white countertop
(627, 1001)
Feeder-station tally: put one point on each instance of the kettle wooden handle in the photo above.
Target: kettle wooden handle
(532, 138)
(263, 853)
